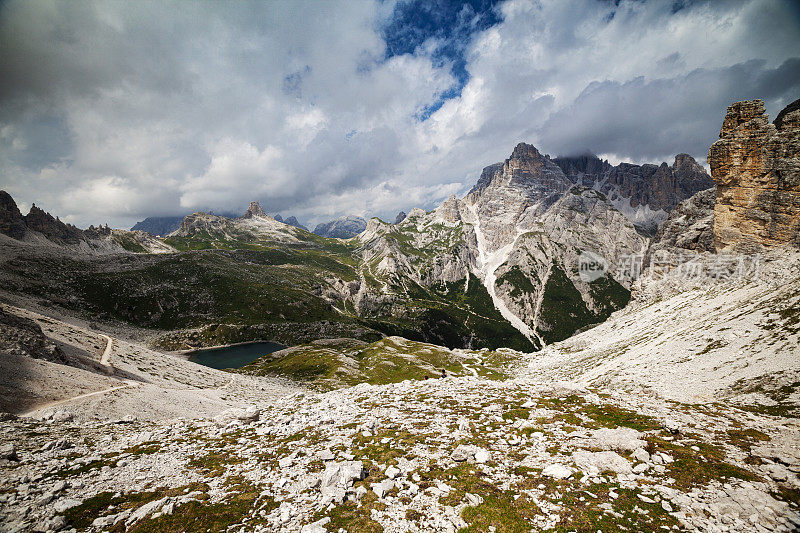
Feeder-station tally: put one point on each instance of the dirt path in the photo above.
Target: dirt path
(104, 360)
(107, 352)
(79, 397)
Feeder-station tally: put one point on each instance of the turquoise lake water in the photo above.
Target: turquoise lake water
(234, 356)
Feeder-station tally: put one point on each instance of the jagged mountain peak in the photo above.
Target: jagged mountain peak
(255, 211)
(526, 169)
(685, 160)
(12, 222)
(524, 151)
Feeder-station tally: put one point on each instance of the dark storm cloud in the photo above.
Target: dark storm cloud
(658, 118)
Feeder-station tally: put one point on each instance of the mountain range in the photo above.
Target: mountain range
(498, 267)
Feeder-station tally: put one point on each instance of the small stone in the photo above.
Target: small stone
(8, 452)
(325, 455)
(666, 506)
(62, 416)
(392, 472)
(380, 489)
(657, 459)
(641, 455)
(316, 527)
(461, 454)
(482, 456)
(60, 444)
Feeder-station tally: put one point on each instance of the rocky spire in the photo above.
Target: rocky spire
(756, 166)
(255, 211)
(11, 221)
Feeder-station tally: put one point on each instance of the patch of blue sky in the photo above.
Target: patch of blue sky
(441, 29)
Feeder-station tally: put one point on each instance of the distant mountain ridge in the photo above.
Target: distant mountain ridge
(344, 227)
(158, 226)
(39, 226)
(292, 221)
(644, 193)
(163, 226)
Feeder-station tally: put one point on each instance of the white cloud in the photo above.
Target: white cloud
(117, 111)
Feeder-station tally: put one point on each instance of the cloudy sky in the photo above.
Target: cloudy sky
(115, 111)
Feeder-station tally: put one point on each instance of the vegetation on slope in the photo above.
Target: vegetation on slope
(335, 363)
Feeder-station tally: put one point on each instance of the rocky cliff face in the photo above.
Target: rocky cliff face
(690, 226)
(41, 228)
(52, 228)
(756, 166)
(12, 222)
(341, 228)
(518, 235)
(644, 193)
(22, 336)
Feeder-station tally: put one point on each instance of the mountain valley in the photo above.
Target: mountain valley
(571, 346)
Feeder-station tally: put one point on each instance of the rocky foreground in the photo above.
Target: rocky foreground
(434, 455)
(680, 413)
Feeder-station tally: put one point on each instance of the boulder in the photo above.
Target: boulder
(380, 489)
(557, 471)
(593, 463)
(620, 439)
(8, 452)
(340, 476)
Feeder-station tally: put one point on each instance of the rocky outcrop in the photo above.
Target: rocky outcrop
(756, 166)
(23, 336)
(644, 193)
(40, 228)
(254, 211)
(201, 223)
(690, 226)
(401, 216)
(254, 225)
(12, 222)
(342, 228)
(52, 228)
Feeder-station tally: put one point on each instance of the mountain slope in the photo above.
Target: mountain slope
(500, 267)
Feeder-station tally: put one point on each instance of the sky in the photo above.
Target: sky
(114, 111)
